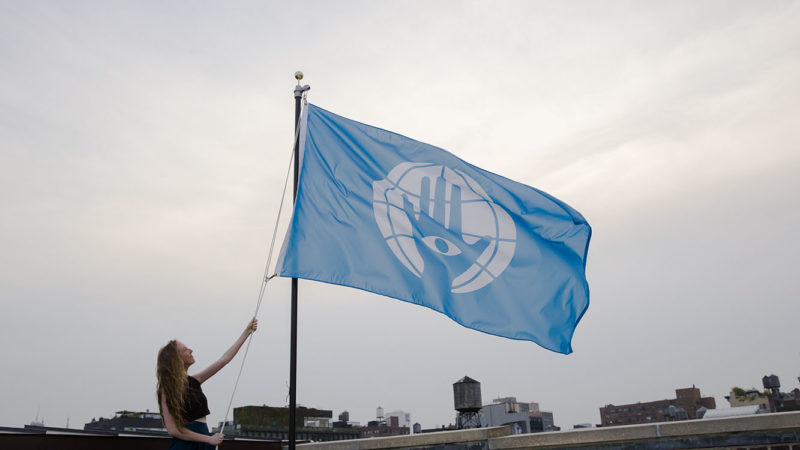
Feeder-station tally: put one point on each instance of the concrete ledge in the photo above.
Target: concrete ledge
(498, 438)
(758, 422)
(598, 436)
(476, 435)
(576, 437)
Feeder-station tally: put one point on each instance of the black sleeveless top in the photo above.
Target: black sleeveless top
(194, 401)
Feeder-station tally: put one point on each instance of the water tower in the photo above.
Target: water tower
(772, 383)
(379, 415)
(467, 399)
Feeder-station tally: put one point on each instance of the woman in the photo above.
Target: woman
(180, 398)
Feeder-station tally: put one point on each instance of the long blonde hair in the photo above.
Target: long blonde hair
(171, 374)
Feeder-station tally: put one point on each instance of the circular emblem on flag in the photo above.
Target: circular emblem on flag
(447, 212)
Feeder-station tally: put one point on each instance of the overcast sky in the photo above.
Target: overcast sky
(143, 147)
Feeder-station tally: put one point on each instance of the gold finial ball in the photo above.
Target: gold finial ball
(298, 75)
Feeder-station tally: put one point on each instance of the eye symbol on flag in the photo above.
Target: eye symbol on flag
(452, 215)
(441, 245)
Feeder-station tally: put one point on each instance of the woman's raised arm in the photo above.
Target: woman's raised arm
(209, 371)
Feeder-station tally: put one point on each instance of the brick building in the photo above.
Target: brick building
(684, 406)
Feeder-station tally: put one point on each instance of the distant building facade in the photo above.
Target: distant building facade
(128, 421)
(449, 427)
(684, 406)
(272, 422)
(787, 401)
(736, 411)
(395, 423)
(344, 421)
(771, 399)
(403, 418)
(389, 428)
(740, 397)
(522, 417)
(781, 401)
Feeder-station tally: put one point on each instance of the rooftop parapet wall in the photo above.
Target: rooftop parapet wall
(756, 430)
(472, 438)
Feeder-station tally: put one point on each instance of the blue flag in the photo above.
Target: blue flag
(387, 214)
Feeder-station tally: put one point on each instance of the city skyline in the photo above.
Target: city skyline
(143, 149)
(380, 412)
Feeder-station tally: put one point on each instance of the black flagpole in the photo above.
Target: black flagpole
(298, 96)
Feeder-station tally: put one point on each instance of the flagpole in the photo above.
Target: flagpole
(298, 96)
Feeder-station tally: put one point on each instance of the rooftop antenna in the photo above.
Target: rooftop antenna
(36, 422)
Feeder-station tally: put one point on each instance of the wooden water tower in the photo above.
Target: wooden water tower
(467, 399)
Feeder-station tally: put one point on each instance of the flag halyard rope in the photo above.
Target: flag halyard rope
(266, 278)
